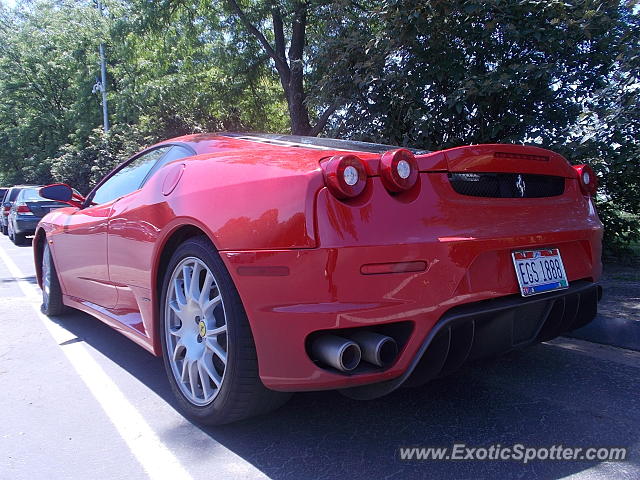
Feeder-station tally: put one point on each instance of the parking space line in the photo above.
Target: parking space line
(154, 456)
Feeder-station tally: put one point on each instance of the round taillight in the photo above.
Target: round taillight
(587, 178)
(345, 176)
(398, 170)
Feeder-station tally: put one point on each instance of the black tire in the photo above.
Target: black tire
(242, 393)
(19, 239)
(52, 301)
(5, 230)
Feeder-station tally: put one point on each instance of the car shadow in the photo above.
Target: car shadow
(539, 397)
(31, 279)
(27, 242)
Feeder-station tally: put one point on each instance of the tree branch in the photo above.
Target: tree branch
(298, 32)
(281, 64)
(322, 121)
(278, 32)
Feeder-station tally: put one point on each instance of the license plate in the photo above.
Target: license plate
(539, 271)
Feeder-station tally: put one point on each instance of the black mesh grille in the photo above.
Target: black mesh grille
(506, 185)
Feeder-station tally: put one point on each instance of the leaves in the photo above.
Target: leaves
(431, 74)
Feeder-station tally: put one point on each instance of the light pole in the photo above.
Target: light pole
(103, 81)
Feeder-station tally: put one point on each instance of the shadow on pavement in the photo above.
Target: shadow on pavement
(618, 320)
(31, 279)
(27, 242)
(538, 397)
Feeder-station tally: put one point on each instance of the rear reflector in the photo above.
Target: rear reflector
(395, 267)
(247, 271)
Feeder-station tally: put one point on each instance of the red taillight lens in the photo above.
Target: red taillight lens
(587, 178)
(398, 170)
(23, 208)
(345, 176)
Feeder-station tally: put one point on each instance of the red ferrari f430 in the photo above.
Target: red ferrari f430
(259, 265)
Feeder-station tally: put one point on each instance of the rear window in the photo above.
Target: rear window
(319, 142)
(30, 195)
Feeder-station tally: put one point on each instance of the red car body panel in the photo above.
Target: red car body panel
(301, 259)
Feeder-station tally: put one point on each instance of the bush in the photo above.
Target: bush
(84, 167)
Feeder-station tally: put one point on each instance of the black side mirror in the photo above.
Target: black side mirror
(61, 192)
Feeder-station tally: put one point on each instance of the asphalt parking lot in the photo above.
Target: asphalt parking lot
(78, 400)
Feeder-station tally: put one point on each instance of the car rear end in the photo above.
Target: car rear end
(446, 257)
(29, 208)
(8, 197)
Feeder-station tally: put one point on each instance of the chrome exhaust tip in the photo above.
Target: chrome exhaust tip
(380, 350)
(340, 353)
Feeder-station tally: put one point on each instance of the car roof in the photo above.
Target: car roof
(215, 142)
(317, 142)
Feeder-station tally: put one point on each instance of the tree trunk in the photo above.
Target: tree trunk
(291, 71)
(298, 111)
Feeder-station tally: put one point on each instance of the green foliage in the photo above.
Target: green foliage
(162, 82)
(433, 74)
(44, 85)
(440, 74)
(607, 136)
(185, 71)
(83, 167)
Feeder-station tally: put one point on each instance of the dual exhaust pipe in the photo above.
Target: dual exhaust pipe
(345, 354)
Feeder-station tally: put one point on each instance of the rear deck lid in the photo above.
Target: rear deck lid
(499, 158)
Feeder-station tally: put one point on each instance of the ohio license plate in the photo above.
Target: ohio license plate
(539, 271)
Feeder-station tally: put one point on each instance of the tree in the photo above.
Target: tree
(607, 136)
(280, 29)
(437, 74)
(427, 73)
(45, 85)
(180, 79)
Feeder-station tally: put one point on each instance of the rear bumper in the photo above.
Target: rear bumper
(489, 328)
(26, 225)
(290, 295)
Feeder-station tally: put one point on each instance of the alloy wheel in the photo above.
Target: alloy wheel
(196, 331)
(46, 275)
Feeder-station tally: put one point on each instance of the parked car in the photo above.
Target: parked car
(258, 265)
(26, 211)
(7, 201)
(3, 191)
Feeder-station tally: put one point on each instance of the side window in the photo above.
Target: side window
(175, 153)
(129, 178)
(13, 193)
